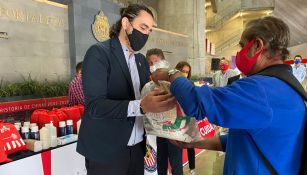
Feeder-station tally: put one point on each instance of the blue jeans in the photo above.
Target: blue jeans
(166, 150)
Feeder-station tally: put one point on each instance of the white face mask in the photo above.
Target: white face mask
(159, 65)
(152, 69)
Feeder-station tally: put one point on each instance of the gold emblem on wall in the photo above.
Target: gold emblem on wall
(101, 27)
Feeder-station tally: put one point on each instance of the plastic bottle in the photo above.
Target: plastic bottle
(47, 125)
(17, 127)
(32, 124)
(45, 137)
(25, 132)
(18, 123)
(53, 135)
(26, 124)
(69, 127)
(62, 127)
(34, 134)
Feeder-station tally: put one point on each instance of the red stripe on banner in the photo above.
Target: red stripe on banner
(288, 62)
(24, 105)
(304, 60)
(46, 160)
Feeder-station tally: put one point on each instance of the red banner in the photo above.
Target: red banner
(292, 61)
(24, 105)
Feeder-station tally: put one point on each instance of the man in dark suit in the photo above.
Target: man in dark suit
(111, 136)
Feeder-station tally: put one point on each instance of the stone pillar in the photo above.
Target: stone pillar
(186, 17)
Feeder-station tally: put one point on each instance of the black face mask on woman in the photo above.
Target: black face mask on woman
(137, 39)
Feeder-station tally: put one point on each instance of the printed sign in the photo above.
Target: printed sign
(24, 105)
(205, 128)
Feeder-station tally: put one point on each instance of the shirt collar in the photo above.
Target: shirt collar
(126, 53)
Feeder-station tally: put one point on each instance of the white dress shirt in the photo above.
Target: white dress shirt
(134, 106)
(299, 72)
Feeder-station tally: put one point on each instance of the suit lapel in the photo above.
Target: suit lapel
(140, 67)
(119, 55)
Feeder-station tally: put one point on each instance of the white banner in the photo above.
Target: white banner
(61, 161)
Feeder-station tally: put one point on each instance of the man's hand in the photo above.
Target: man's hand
(157, 101)
(160, 74)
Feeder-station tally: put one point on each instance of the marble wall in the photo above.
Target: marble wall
(36, 43)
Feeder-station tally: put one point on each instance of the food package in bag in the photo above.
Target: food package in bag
(174, 124)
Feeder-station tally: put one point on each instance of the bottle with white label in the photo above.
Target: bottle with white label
(26, 124)
(34, 134)
(69, 127)
(32, 124)
(53, 135)
(18, 123)
(25, 132)
(17, 127)
(62, 127)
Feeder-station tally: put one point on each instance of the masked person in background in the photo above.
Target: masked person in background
(111, 136)
(165, 149)
(266, 132)
(153, 56)
(299, 71)
(220, 78)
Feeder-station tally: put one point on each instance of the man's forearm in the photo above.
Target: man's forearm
(210, 144)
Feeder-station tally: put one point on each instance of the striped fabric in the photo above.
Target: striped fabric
(14, 144)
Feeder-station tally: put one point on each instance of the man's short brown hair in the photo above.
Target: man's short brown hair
(155, 51)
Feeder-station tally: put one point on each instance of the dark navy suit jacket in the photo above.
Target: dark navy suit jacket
(105, 129)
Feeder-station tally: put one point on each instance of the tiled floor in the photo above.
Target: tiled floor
(208, 163)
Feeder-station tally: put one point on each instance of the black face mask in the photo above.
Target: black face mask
(137, 39)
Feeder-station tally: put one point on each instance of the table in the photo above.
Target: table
(62, 160)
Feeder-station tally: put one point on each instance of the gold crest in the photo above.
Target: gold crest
(101, 27)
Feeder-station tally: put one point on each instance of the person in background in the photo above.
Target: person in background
(165, 149)
(75, 91)
(186, 70)
(154, 55)
(262, 138)
(299, 71)
(220, 78)
(111, 136)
